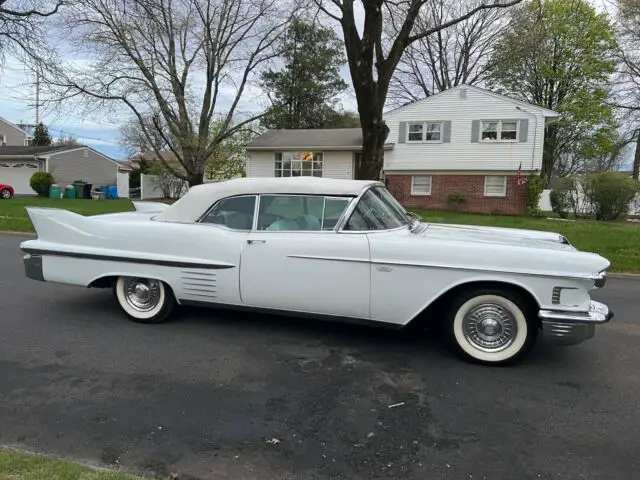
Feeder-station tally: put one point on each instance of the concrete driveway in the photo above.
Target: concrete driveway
(205, 394)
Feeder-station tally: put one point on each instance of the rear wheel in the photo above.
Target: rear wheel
(144, 300)
(492, 326)
(5, 193)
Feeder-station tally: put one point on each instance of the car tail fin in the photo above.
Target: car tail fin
(55, 224)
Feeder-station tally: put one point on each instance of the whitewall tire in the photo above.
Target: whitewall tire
(492, 326)
(144, 300)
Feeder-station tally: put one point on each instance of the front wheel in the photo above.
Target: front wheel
(492, 326)
(144, 300)
(5, 193)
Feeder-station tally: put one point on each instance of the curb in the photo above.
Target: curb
(626, 276)
(10, 233)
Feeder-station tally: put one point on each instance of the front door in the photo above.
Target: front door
(295, 261)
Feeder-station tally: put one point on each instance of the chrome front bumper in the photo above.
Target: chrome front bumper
(571, 328)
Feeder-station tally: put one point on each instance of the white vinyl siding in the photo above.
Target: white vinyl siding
(495, 186)
(421, 185)
(82, 164)
(461, 153)
(336, 164)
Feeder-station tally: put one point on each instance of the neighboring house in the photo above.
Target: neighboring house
(465, 139)
(12, 135)
(66, 164)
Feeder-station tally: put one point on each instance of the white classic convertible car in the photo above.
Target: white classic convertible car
(340, 249)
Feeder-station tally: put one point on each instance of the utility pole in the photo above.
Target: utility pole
(37, 98)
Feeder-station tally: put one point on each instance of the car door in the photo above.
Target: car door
(294, 260)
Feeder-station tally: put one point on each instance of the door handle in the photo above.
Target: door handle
(251, 242)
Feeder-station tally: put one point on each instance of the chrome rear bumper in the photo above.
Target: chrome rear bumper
(571, 328)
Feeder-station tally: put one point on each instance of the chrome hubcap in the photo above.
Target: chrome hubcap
(142, 294)
(6, 194)
(489, 327)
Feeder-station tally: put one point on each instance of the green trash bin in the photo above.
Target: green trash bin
(79, 186)
(70, 192)
(55, 191)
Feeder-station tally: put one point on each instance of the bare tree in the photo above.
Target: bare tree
(450, 57)
(21, 26)
(628, 81)
(372, 68)
(179, 64)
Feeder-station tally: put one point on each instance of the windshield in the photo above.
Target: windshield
(377, 210)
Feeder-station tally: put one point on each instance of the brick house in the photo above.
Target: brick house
(465, 141)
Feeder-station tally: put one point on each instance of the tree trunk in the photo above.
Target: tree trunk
(374, 135)
(636, 159)
(548, 153)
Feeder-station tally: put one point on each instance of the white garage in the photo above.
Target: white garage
(18, 175)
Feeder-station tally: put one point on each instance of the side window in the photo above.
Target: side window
(299, 212)
(234, 212)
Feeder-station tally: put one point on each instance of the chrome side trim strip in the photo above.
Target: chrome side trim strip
(148, 261)
(333, 259)
(443, 266)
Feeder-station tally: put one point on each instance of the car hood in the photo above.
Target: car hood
(499, 235)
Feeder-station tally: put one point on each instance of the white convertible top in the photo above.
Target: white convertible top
(199, 198)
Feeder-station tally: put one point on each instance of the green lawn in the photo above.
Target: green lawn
(617, 241)
(26, 466)
(13, 216)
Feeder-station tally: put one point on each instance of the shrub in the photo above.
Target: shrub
(609, 194)
(533, 191)
(41, 182)
(563, 198)
(457, 198)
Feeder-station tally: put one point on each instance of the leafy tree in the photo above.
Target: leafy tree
(229, 159)
(558, 54)
(41, 137)
(373, 55)
(304, 93)
(345, 119)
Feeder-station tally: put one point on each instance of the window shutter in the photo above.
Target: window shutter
(524, 130)
(475, 131)
(402, 132)
(446, 131)
(495, 186)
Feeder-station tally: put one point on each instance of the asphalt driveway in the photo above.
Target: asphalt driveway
(206, 394)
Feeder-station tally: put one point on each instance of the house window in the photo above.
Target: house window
(495, 186)
(298, 164)
(3, 139)
(415, 132)
(499, 131)
(424, 132)
(421, 185)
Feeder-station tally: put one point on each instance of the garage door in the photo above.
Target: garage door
(18, 176)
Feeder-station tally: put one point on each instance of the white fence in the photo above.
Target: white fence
(583, 206)
(123, 184)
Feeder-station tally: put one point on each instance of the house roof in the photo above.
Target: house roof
(545, 111)
(199, 198)
(11, 124)
(13, 151)
(310, 139)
